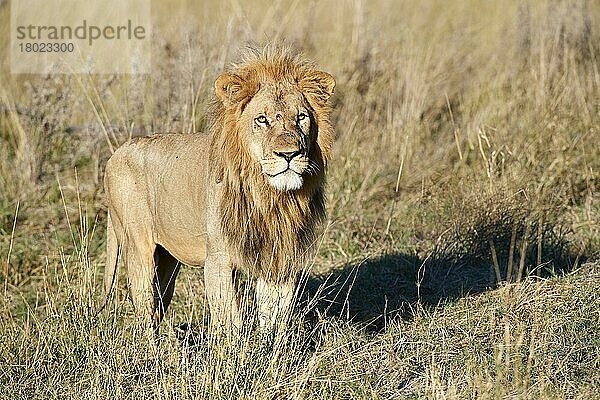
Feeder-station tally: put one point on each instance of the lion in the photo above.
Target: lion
(248, 196)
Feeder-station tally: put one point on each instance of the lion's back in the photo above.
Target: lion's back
(147, 155)
(152, 166)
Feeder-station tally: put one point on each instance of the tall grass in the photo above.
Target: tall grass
(460, 258)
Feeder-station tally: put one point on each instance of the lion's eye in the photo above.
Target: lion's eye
(302, 117)
(261, 120)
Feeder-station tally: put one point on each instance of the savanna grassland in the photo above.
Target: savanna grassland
(460, 258)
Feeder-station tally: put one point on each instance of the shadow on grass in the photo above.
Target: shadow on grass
(371, 292)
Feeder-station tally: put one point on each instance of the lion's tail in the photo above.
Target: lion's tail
(110, 270)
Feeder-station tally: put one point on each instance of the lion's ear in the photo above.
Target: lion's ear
(230, 89)
(319, 85)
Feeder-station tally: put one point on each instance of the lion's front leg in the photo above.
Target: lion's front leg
(221, 292)
(274, 301)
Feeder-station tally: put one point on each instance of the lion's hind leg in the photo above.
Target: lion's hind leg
(139, 260)
(167, 269)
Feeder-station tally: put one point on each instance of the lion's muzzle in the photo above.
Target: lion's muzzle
(287, 155)
(285, 168)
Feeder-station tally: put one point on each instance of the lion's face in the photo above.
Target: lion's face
(276, 126)
(277, 123)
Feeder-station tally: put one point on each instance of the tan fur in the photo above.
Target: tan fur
(248, 196)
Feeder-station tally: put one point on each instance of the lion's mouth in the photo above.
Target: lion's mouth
(286, 180)
(282, 172)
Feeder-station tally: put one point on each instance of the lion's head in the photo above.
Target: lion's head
(277, 109)
(272, 140)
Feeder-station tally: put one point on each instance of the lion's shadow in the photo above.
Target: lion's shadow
(372, 292)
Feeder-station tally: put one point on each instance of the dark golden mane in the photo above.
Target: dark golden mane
(271, 230)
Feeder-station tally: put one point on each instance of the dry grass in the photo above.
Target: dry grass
(468, 156)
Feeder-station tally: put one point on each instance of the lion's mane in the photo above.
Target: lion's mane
(270, 229)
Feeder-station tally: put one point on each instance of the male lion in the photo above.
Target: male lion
(246, 197)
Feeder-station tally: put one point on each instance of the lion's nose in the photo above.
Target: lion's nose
(288, 155)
